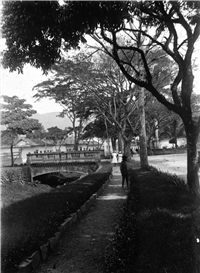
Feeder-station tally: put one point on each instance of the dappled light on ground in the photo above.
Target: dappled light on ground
(114, 186)
(148, 213)
(93, 236)
(111, 197)
(174, 214)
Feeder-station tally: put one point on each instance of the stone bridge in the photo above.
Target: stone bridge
(79, 162)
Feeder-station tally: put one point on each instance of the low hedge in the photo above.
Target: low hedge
(28, 224)
(168, 151)
(21, 174)
(159, 229)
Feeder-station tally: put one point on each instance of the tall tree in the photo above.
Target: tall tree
(158, 119)
(57, 135)
(34, 33)
(161, 23)
(97, 129)
(66, 87)
(16, 117)
(92, 86)
(114, 100)
(36, 134)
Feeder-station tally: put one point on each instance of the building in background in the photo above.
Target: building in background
(24, 146)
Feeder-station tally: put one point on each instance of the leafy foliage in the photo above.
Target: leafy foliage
(57, 135)
(95, 128)
(43, 25)
(67, 87)
(126, 31)
(157, 231)
(38, 23)
(92, 86)
(16, 117)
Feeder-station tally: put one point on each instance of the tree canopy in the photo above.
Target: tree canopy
(67, 86)
(16, 117)
(57, 135)
(38, 33)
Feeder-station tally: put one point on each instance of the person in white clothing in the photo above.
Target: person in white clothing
(120, 157)
(114, 158)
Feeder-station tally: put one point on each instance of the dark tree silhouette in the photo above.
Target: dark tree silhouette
(35, 32)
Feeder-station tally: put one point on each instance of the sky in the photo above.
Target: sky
(21, 85)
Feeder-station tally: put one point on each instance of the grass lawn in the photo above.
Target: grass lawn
(160, 227)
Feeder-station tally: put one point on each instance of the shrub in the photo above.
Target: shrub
(15, 174)
(28, 224)
(170, 178)
(159, 228)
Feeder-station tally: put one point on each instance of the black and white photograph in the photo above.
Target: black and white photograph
(100, 136)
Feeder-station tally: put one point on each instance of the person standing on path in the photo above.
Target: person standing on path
(120, 157)
(124, 170)
(114, 158)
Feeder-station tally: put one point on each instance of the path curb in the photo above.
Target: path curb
(32, 262)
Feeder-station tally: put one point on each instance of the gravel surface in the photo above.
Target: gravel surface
(83, 248)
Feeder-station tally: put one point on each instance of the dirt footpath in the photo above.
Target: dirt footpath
(82, 250)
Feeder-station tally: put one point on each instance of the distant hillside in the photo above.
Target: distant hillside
(51, 120)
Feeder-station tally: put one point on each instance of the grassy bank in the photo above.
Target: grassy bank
(29, 223)
(160, 227)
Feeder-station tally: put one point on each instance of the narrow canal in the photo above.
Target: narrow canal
(57, 179)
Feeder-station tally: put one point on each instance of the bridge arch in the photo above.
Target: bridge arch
(76, 161)
(78, 167)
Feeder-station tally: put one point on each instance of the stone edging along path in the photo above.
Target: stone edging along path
(33, 261)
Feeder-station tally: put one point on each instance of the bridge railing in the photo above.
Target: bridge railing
(72, 156)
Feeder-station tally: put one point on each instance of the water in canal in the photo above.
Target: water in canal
(57, 179)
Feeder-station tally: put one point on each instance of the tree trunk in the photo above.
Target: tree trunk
(76, 140)
(108, 140)
(175, 134)
(11, 154)
(119, 142)
(156, 135)
(109, 150)
(143, 141)
(127, 147)
(75, 134)
(75, 145)
(149, 146)
(113, 140)
(192, 162)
